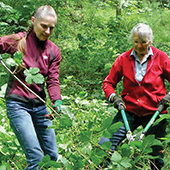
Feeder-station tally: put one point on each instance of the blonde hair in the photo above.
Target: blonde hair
(40, 13)
(43, 11)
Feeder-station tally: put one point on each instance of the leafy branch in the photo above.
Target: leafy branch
(32, 74)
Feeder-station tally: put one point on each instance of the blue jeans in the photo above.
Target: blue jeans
(134, 121)
(31, 129)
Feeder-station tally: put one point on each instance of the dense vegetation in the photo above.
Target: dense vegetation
(90, 34)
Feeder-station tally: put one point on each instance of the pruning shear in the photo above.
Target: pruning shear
(129, 135)
(150, 123)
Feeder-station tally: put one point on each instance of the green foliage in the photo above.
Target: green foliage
(90, 38)
(9, 146)
(33, 76)
(9, 24)
(46, 163)
(119, 162)
(18, 58)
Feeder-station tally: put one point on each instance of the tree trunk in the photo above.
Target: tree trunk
(118, 8)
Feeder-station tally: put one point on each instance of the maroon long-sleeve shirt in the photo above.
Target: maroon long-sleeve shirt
(44, 55)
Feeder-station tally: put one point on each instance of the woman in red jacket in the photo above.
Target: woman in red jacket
(27, 114)
(144, 69)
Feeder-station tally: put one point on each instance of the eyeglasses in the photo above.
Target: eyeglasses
(136, 42)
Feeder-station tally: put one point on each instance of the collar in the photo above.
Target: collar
(133, 53)
(41, 44)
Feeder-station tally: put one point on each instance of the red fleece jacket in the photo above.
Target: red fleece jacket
(141, 98)
(44, 55)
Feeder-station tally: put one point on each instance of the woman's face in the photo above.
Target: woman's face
(141, 46)
(43, 28)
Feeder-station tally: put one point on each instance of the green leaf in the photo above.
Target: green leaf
(7, 7)
(96, 159)
(112, 109)
(3, 90)
(137, 144)
(85, 136)
(125, 150)
(126, 162)
(11, 62)
(84, 102)
(106, 145)
(107, 134)
(2, 24)
(87, 149)
(38, 79)
(53, 164)
(28, 79)
(34, 70)
(83, 94)
(46, 159)
(147, 150)
(157, 142)
(100, 153)
(33, 76)
(152, 157)
(65, 121)
(116, 157)
(64, 161)
(137, 159)
(108, 66)
(162, 117)
(27, 72)
(107, 122)
(18, 57)
(119, 167)
(3, 167)
(150, 140)
(2, 129)
(97, 129)
(115, 127)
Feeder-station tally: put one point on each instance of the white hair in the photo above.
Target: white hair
(144, 32)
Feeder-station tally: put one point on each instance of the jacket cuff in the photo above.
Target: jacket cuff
(113, 94)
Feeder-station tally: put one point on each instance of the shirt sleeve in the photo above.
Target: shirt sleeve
(9, 43)
(166, 67)
(115, 75)
(53, 86)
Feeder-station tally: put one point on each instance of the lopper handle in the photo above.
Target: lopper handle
(125, 120)
(160, 109)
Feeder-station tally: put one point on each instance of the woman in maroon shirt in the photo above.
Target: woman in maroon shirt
(27, 114)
